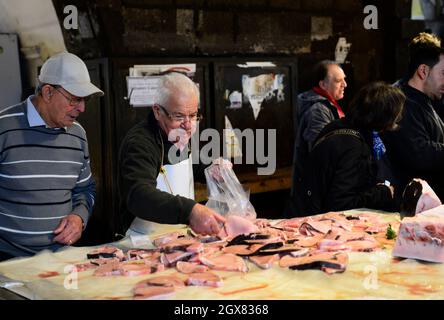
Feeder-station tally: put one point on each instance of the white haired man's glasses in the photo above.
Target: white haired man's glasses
(181, 117)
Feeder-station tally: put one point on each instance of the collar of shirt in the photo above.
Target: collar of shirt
(34, 118)
(415, 94)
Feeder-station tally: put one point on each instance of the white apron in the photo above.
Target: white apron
(176, 179)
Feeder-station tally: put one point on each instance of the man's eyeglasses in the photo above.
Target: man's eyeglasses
(73, 101)
(180, 117)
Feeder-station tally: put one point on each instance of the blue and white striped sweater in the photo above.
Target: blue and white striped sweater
(45, 175)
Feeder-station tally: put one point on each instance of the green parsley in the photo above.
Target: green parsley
(390, 234)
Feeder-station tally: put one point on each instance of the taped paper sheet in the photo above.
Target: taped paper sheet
(149, 70)
(143, 91)
(231, 141)
(144, 80)
(262, 87)
(257, 64)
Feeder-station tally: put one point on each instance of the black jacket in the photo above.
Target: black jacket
(340, 174)
(416, 149)
(313, 113)
(139, 165)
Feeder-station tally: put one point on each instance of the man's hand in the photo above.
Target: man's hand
(205, 221)
(391, 188)
(69, 230)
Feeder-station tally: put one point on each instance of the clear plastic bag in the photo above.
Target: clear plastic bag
(226, 195)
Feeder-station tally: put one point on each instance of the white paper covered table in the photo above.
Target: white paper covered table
(374, 275)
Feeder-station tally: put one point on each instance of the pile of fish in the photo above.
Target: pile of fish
(318, 242)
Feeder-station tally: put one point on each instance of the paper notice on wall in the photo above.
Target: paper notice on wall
(262, 87)
(231, 141)
(265, 64)
(159, 69)
(144, 80)
(143, 91)
(235, 98)
(341, 50)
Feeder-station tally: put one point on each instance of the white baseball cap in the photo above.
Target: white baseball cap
(69, 71)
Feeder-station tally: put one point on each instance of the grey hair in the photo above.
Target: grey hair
(39, 87)
(175, 83)
(320, 71)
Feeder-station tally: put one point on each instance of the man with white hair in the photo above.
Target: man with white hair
(155, 170)
(46, 187)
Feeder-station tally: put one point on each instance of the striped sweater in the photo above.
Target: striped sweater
(45, 175)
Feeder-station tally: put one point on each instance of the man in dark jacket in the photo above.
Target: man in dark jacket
(438, 105)
(316, 108)
(155, 172)
(417, 148)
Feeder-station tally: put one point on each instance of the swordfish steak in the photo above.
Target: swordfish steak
(208, 279)
(421, 237)
(225, 262)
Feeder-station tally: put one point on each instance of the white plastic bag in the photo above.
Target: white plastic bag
(226, 195)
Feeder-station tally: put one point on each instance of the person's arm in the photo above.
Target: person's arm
(316, 119)
(84, 193)
(348, 177)
(71, 227)
(138, 171)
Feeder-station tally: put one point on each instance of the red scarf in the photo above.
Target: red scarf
(326, 95)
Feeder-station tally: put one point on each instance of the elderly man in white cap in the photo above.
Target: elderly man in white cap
(46, 187)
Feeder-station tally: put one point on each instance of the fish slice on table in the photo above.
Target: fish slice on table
(190, 267)
(236, 225)
(134, 269)
(328, 262)
(137, 254)
(249, 239)
(225, 262)
(106, 252)
(204, 279)
(312, 228)
(264, 262)
(170, 259)
(165, 238)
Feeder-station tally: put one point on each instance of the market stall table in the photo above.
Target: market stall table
(369, 275)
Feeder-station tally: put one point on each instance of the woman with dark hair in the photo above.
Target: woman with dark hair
(342, 169)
